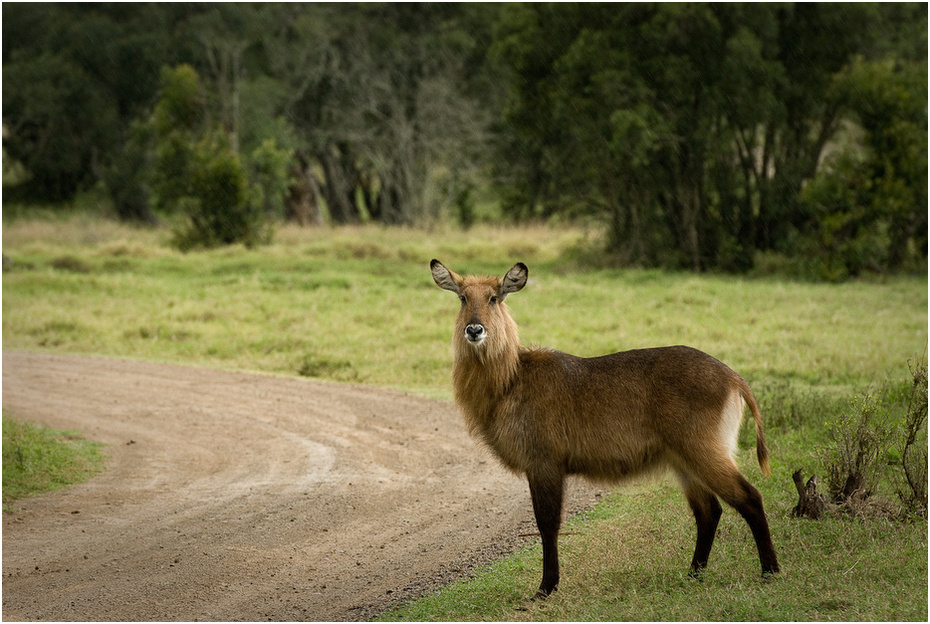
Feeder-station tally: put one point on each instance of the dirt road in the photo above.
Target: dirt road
(232, 496)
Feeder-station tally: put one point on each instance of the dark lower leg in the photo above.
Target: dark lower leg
(753, 512)
(707, 512)
(546, 493)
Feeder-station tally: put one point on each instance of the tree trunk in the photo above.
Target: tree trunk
(303, 199)
(338, 190)
(810, 503)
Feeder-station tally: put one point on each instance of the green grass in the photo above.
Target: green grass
(640, 540)
(627, 559)
(37, 459)
(358, 305)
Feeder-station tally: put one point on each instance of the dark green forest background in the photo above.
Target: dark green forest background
(698, 136)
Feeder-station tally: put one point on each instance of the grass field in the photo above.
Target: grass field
(358, 305)
(627, 561)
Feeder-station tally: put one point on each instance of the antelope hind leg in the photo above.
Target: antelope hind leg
(737, 492)
(707, 513)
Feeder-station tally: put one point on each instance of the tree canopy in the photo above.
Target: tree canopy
(698, 134)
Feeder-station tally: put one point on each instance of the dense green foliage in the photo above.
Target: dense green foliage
(696, 134)
(693, 128)
(198, 172)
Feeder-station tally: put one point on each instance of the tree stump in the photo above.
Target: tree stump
(303, 199)
(810, 503)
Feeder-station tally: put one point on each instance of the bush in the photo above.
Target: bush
(128, 179)
(857, 452)
(866, 207)
(177, 121)
(218, 208)
(197, 173)
(844, 234)
(269, 165)
(880, 440)
(914, 450)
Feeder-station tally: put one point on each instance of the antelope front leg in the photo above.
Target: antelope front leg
(546, 492)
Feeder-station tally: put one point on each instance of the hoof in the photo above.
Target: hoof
(542, 594)
(696, 571)
(537, 599)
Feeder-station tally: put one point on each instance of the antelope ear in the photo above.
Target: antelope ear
(514, 280)
(444, 278)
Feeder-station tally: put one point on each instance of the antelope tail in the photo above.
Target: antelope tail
(762, 451)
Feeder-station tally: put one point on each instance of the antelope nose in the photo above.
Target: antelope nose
(474, 333)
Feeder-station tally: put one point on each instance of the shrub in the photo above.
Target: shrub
(218, 208)
(196, 171)
(177, 121)
(880, 439)
(914, 449)
(857, 451)
(128, 179)
(269, 165)
(844, 234)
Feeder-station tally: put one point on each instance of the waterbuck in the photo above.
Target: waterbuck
(548, 414)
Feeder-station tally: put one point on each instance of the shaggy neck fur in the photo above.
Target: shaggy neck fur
(482, 375)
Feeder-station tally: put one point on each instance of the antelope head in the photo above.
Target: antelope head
(484, 324)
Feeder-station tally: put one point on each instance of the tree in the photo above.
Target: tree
(128, 178)
(74, 78)
(219, 208)
(198, 173)
(691, 129)
(809, 44)
(866, 208)
(697, 133)
(889, 99)
(613, 109)
(180, 120)
(56, 122)
(270, 175)
(374, 93)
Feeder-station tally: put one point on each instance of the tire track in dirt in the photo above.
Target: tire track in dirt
(235, 496)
